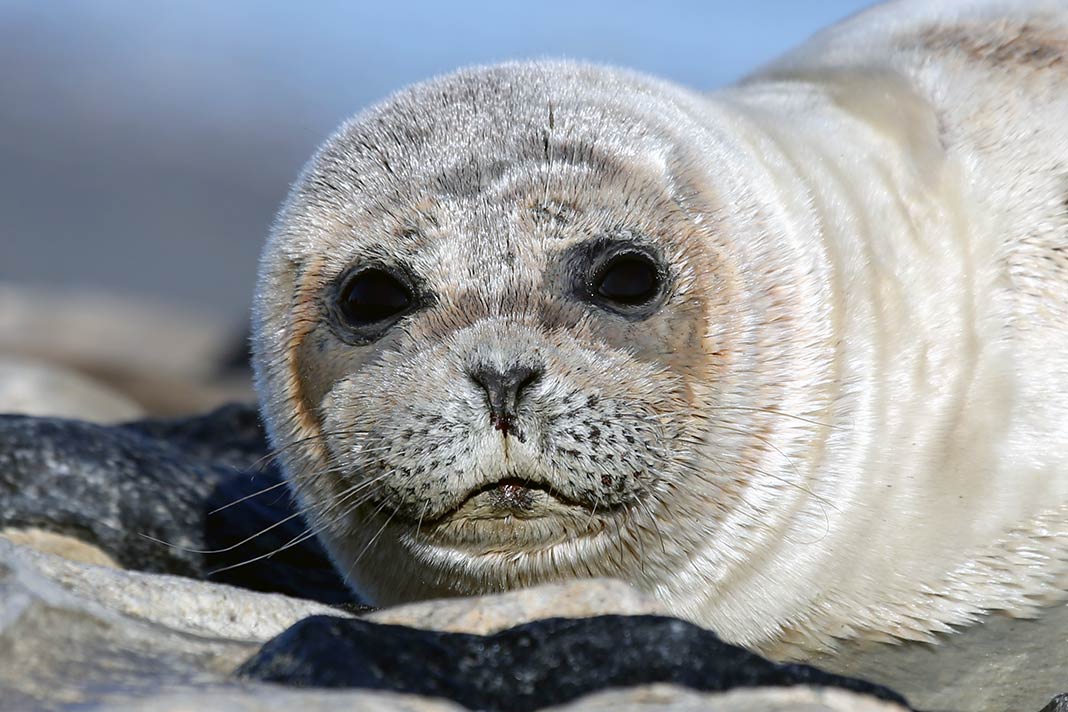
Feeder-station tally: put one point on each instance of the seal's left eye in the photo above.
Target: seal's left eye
(373, 295)
(628, 280)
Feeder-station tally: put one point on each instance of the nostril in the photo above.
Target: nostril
(504, 389)
(526, 377)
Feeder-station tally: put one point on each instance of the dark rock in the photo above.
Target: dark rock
(231, 436)
(528, 667)
(279, 556)
(109, 486)
(127, 488)
(1057, 704)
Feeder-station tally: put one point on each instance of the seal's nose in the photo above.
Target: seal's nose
(504, 389)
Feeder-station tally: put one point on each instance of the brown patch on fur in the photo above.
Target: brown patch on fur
(1004, 45)
(305, 317)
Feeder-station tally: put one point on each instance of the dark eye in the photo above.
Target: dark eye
(371, 296)
(628, 279)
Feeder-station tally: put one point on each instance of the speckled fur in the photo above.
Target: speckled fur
(848, 417)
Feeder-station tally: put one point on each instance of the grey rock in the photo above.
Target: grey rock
(271, 698)
(483, 615)
(651, 698)
(998, 664)
(109, 487)
(164, 358)
(59, 648)
(193, 496)
(37, 388)
(175, 602)
(680, 699)
(75, 635)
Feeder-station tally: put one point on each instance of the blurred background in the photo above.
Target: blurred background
(144, 146)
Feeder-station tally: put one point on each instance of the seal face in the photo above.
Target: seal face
(754, 353)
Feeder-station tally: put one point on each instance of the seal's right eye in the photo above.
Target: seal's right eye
(373, 296)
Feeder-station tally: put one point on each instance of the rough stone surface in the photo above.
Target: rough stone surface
(59, 544)
(107, 486)
(765, 699)
(1057, 704)
(166, 496)
(649, 698)
(110, 487)
(489, 614)
(33, 388)
(61, 648)
(528, 667)
(272, 698)
(76, 635)
(175, 602)
(1000, 664)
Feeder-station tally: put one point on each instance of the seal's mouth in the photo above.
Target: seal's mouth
(511, 514)
(510, 497)
(515, 494)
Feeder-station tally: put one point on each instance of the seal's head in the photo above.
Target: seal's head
(492, 319)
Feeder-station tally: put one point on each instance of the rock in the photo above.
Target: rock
(528, 667)
(109, 488)
(489, 614)
(166, 496)
(651, 698)
(84, 636)
(1001, 663)
(767, 699)
(112, 488)
(1057, 704)
(59, 648)
(230, 436)
(59, 544)
(175, 602)
(34, 388)
(80, 635)
(271, 698)
(165, 359)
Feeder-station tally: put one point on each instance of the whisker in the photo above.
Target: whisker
(308, 533)
(276, 452)
(265, 490)
(191, 550)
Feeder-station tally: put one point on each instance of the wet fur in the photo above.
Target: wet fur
(846, 420)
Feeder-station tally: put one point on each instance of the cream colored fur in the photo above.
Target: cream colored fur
(851, 415)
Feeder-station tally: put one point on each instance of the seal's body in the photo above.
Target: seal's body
(792, 357)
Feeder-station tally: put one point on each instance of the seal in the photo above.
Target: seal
(791, 357)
